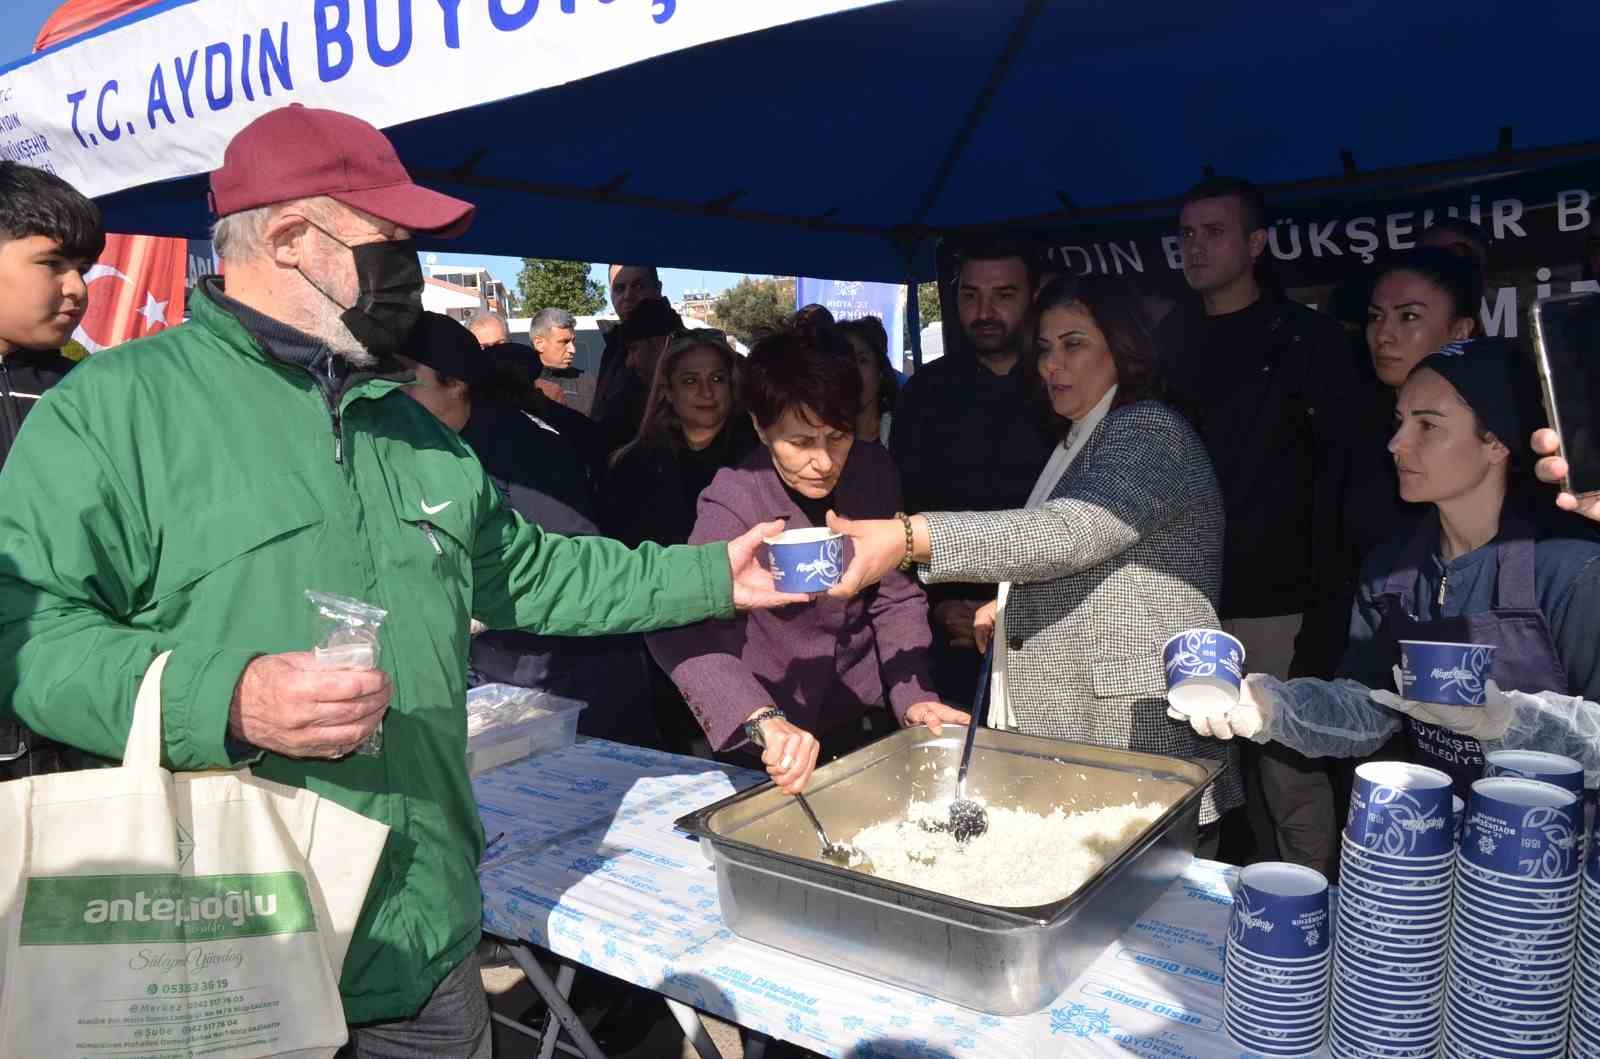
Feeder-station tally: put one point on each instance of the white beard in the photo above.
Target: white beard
(325, 325)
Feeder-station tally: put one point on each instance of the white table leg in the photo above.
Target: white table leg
(693, 1029)
(556, 998)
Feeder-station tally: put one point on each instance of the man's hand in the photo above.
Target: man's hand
(958, 618)
(1553, 469)
(290, 705)
(790, 754)
(753, 588)
(935, 714)
(1488, 721)
(983, 625)
(551, 389)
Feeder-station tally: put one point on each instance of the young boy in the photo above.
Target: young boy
(49, 236)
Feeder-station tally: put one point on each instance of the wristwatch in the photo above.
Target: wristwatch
(752, 727)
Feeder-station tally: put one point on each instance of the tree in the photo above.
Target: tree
(927, 308)
(928, 301)
(753, 306)
(548, 284)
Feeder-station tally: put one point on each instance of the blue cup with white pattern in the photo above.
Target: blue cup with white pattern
(1205, 668)
(1558, 769)
(1280, 913)
(1525, 829)
(1448, 674)
(806, 560)
(1401, 811)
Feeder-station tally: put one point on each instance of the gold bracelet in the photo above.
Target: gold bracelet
(906, 562)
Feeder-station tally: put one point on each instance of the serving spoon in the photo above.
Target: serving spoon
(840, 853)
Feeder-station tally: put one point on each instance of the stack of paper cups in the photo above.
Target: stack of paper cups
(1275, 983)
(1585, 1032)
(1395, 873)
(1515, 926)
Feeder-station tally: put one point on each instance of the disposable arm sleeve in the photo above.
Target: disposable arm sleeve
(1556, 724)
(1321, 718)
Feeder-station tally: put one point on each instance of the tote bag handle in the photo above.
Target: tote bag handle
(144, 736)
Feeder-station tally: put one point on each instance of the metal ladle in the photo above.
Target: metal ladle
(968, 818)
(840, 853)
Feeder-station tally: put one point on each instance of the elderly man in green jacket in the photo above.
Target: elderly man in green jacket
(181, 492)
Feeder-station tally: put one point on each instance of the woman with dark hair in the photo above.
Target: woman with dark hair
(805, 676)
(692, 428)
(880, 384)
(1420, 301)
(1119, 548)
(1489, 564)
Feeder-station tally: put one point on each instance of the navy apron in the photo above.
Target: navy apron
(1526, 659)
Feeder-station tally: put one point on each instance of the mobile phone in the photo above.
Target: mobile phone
(1566, 343)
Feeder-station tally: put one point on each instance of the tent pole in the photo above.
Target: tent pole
(913, 320)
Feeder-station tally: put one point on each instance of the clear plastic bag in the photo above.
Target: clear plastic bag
(347, 638)
(493, 705)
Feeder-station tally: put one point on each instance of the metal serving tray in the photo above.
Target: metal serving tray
(775, 888)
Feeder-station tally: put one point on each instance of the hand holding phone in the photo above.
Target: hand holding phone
(1566, 339)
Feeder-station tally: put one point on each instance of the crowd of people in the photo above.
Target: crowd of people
(1087, 473)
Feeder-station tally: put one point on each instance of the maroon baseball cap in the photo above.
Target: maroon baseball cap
(298, 152)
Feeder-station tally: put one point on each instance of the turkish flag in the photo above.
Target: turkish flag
(135, 289)
(137, 286)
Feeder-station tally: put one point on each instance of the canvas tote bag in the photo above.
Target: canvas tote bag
(148, 914)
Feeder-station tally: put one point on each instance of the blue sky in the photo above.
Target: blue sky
(21, 25)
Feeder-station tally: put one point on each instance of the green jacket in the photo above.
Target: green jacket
(181, 493)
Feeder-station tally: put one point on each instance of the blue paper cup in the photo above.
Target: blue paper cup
(1523, 828)
(1458, 817)
(1449, 674)
(1536, 765)
(1205, 668)
(806, 560)
(1400, 810)
(1280, 912)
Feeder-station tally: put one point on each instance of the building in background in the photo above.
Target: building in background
(449, 288)
(701, 305)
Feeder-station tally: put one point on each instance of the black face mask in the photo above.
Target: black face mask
(388, 293)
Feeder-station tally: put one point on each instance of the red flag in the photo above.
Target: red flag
(135, 289)
(137, 286)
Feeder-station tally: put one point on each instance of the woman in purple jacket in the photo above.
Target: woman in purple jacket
(804, 675)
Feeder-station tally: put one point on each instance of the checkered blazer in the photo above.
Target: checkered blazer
(1126, 552)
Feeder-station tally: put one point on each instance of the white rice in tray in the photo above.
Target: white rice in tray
(1024, 859)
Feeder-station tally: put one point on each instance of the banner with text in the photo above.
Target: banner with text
(853, 299)
(1544, 226)
(159, 98)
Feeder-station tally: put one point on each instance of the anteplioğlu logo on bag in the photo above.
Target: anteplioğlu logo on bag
(110, 909)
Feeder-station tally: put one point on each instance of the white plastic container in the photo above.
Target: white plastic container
(550, 725)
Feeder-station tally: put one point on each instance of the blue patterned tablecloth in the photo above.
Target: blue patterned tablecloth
(590, 868)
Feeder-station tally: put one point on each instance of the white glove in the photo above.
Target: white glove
(1482, 723)
(1249, 719)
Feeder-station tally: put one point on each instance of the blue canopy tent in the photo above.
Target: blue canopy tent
(848, 144)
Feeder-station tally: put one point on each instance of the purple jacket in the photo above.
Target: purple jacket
(823, 663)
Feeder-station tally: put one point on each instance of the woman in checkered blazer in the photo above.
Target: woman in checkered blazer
(1119, 548)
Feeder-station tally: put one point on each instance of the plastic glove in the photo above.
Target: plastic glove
(1251, 718)
(1486, 722)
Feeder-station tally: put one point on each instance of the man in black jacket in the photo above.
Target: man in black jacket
(49, 236)
(971, 433)
(1267, 383)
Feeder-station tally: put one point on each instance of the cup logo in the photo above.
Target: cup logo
(1192, 658)
(826, 567)
(1465, 680)
(1403, 819)
(1558, 843)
